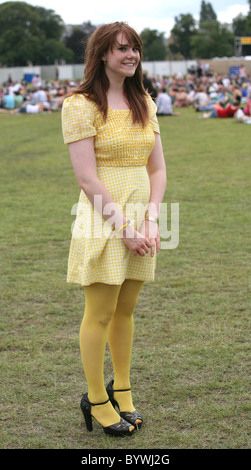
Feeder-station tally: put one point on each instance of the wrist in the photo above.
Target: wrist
(150, 218)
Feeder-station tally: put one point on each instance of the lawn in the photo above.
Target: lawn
(190, 356)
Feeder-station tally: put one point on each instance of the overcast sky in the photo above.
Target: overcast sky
(140, 14)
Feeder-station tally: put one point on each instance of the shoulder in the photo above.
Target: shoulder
(79, 102)
(78, 118)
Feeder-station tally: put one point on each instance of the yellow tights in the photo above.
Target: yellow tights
(108, 317)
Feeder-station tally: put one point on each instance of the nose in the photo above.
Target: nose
(132, 52)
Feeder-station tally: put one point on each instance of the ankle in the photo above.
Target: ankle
(117, 385)
(124, 400)
(105, 414)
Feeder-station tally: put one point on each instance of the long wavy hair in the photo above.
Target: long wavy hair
(96, 83)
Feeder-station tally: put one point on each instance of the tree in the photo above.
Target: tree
(182, 33)
(154, 47)
(207, 13)
(77, 40)
(242, 27)
(213, 40)
(30, 34)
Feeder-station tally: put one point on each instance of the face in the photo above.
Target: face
(123, 59)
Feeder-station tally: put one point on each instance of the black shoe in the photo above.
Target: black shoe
(131, 417)
(118, 429)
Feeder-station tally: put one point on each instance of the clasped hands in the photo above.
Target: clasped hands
(144, 240)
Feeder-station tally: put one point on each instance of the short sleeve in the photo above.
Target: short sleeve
(78, 115)
(152, 115)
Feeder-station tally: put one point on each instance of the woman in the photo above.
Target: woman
(110, 125)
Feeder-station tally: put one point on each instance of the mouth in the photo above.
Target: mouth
(129, 64)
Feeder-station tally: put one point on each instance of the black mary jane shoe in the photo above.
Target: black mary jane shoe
(122, 428)
(131, 417)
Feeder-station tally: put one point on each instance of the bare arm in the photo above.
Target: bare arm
(84, 164)
(156, 168)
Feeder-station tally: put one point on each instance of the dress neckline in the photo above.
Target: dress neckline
(124, 109)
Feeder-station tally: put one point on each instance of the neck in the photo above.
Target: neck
(116, 83)
(115, 94)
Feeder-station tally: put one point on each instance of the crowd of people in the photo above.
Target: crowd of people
(35, 97)
(213, 95)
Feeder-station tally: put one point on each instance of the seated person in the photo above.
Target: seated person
(164, 104)
(8, 101)
(29, 108)
(181, 99)
(247, 109)
(220, 112)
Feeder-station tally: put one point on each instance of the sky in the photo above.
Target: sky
(140, 14)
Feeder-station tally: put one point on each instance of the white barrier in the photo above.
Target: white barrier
(76, 71)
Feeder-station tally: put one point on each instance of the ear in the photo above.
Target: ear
(103, 57)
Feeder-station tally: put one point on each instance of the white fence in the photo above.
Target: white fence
(76, 71)
(154, 69)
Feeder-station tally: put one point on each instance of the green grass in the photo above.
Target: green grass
(190, 356)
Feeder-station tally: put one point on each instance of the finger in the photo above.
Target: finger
(158, 243)
(148, 242)
(152, 246)
(143, 250)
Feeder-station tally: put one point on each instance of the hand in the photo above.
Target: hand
(135, 241)
(150, 230)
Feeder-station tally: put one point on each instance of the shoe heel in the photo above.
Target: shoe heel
(113, 402)
(88, 420)
(87, 416)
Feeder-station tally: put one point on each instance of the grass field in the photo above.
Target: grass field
(190, 356)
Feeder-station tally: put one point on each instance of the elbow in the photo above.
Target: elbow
(88, 185)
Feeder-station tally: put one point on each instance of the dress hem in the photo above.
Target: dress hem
(110, 283)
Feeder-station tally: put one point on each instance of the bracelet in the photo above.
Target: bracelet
(123, 226)
(151, 219)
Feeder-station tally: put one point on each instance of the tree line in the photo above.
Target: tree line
(38, 36)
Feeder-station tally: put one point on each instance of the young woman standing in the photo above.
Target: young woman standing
(112, 131)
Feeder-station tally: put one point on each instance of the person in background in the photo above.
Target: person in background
(247, 109)
(18, 98)
(8, 100)
(181, 99)
(164, 104)
(227, 112)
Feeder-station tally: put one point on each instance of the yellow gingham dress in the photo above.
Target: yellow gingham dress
(122, 149)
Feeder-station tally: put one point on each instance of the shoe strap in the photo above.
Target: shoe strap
(124, 390)
(96, 404)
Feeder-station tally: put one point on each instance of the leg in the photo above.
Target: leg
(120, 340)
(100, 305)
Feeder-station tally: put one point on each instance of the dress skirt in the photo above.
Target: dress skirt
(97, 253)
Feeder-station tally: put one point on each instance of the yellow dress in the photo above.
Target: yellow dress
(122, 149)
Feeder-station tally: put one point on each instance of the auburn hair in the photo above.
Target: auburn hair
(96, 83)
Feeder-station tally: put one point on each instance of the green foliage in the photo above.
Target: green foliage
(207, 13)
(182, 32)
(30, 34)
(212, 40)
(153, 45)
(76, 41)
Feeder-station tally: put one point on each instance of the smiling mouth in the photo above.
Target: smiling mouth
(130, 64)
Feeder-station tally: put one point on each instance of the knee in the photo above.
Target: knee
(105, 318)
(126, 307)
